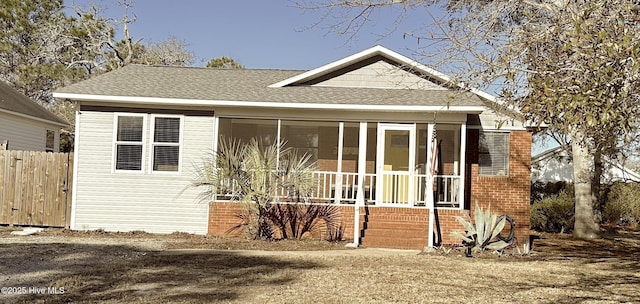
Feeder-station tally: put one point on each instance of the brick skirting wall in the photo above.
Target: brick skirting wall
(386, 227)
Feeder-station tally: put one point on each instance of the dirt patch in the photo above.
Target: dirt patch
(61, 266)
(176, 240)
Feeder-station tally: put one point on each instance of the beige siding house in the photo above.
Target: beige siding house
(390, 137)
(26, 125)
(127, 200)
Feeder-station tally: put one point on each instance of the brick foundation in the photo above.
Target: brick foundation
(387, 227)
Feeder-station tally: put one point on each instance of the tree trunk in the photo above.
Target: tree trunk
(598, 206)
(585, 226)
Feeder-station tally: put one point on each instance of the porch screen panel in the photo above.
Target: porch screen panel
(421, 149)
(449, 150)
(304, 136)
(493, 158)
(244, 129)
(350, 147)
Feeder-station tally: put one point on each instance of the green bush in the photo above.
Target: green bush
(554, 214)
(623, 204)
(540, 190)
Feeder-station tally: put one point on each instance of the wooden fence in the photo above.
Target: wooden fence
(35, 188)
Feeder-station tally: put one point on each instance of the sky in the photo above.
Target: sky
(273, 34)
(263, 34)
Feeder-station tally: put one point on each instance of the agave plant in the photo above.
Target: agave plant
(481, 234)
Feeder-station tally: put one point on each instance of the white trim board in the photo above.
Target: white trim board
(262, 104)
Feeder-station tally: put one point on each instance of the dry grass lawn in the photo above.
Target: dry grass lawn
(142, 268)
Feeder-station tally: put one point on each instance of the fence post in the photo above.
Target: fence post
(4, 145)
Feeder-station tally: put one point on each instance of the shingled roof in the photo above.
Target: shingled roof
(286, 88)
(17, 103)
(248, 85)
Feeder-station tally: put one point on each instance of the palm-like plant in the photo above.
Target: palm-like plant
(257, 174)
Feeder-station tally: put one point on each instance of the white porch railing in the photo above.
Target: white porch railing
(342, 187)
(446, 190)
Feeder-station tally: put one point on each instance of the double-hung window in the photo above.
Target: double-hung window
(166, 143)
(129, 142)
(494, 154)
(160, 144)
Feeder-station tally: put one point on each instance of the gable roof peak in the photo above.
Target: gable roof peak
(376, 50)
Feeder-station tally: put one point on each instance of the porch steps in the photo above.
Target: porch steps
(399, 233)
(394, 231)
(398, 243)
(395, 225)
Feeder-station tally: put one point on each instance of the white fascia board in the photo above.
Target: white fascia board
(379, 50)
(264, 104)
(34, 118)
(329, 67)
(370, 52)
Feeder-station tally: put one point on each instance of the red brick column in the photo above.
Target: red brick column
(508, 195)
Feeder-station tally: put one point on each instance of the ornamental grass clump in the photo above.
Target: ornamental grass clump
(481, 233)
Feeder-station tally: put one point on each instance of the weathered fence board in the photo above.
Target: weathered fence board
(35, 188)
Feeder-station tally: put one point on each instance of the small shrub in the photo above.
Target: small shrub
(553, 214)
(296, 219)
(335, 233)
(623, 206)
(540, 190)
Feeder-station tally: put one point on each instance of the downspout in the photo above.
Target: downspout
(362, 169)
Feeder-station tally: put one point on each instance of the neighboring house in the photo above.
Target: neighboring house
(367, 119)
(25, 125)
(555, 165)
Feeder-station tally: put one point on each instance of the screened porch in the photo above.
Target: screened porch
(392, 164)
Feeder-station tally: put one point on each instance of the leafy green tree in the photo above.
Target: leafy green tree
(572, 64)
(32, 46)
(42, 48)
(224, 63)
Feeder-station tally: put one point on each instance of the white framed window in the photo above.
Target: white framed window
(493, 157)
(166, 142)
(129, 130)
